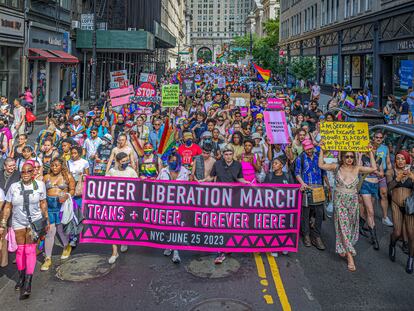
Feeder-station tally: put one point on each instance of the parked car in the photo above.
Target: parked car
(369, 115)
(396, 136)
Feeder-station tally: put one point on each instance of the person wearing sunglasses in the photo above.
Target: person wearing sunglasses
(383, 153)
(17, 207)
(90, 147)
(346, 203)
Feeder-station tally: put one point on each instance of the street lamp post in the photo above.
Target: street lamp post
(93, 72)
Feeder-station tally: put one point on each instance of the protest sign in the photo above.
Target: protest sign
(275, 103)
(121, 96)
(146, 91)
(119, 79)
(240, 99)
(276, 127)
(188, 87)
(221, 82)
(148, 77)
(170, 95)
(345, 136)
(213, 217)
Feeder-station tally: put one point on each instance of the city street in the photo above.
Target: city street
(143, 279)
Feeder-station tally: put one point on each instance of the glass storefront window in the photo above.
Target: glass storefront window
(322, 66)
(368, 72)
(356, 72)
(335, 69)
(347, 70)
(403, 74)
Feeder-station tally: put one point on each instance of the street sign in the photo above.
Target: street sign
(87, 21)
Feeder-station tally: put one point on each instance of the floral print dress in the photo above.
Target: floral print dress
(346, 216)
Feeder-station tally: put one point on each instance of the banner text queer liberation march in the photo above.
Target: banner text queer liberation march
(211, 217)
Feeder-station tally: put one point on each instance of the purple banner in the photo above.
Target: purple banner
(228, 217)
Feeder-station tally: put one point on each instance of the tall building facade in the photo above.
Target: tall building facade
(135, 36)
(368, 44)
(173, 19)
(214, 23)
(12, 34)
(263, 10)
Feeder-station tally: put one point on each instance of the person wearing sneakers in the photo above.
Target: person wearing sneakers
(382, 152)
(311, 178)
(60, 186)
(122, 168)
(174, 171)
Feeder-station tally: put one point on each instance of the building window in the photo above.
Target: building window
(347, 8)
(368, 5)
(323, 13)
(354, 7)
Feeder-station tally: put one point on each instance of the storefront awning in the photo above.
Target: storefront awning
(52, 56)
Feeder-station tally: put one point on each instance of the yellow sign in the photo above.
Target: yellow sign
(345, 136)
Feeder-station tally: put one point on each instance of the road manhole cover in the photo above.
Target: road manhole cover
(84, 267)
(222, 304)
(204, 267)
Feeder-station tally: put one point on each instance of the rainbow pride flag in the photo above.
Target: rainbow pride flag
(167, 140)
(262, 73)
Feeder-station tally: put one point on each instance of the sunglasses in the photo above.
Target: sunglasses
(379, 137)
(27, 172)
(349, 157)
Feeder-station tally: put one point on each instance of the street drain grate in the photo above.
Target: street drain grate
(204, 267)
(84, 267)
(222, 304)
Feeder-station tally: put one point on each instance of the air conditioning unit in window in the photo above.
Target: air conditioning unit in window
(75, 24)
(132, 29)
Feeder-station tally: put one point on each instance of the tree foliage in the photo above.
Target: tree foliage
(265, 50)
(303, 68)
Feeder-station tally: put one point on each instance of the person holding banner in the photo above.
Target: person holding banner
(226, 170)
(346, 203)
(122, 168)
(174, 171)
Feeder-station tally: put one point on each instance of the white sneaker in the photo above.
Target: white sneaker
(387, 222)
(176, 257)
(167, 252)
(124, 248)
(112, 259)
(285, 252)
(275, 254)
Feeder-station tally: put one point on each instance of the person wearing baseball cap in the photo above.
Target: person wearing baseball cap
(310, 176)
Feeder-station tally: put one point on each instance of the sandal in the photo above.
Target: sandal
(351, 268)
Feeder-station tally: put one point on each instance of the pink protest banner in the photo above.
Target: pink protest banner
(121, 96)
(276, 103)
(276, 127)
(212, 217)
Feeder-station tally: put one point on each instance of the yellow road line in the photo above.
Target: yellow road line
(284, 301)
(260, 265)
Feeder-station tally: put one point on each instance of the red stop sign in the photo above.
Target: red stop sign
(146, 89)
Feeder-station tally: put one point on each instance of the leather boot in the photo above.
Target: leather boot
(410, 265)
(391, 249)
(20, 282)
(404, 247)
(27, 288)
(374, 240)
(362, 229)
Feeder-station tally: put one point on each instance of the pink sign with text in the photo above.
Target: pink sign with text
(121, 96)
(276, 127)
(276, 103)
